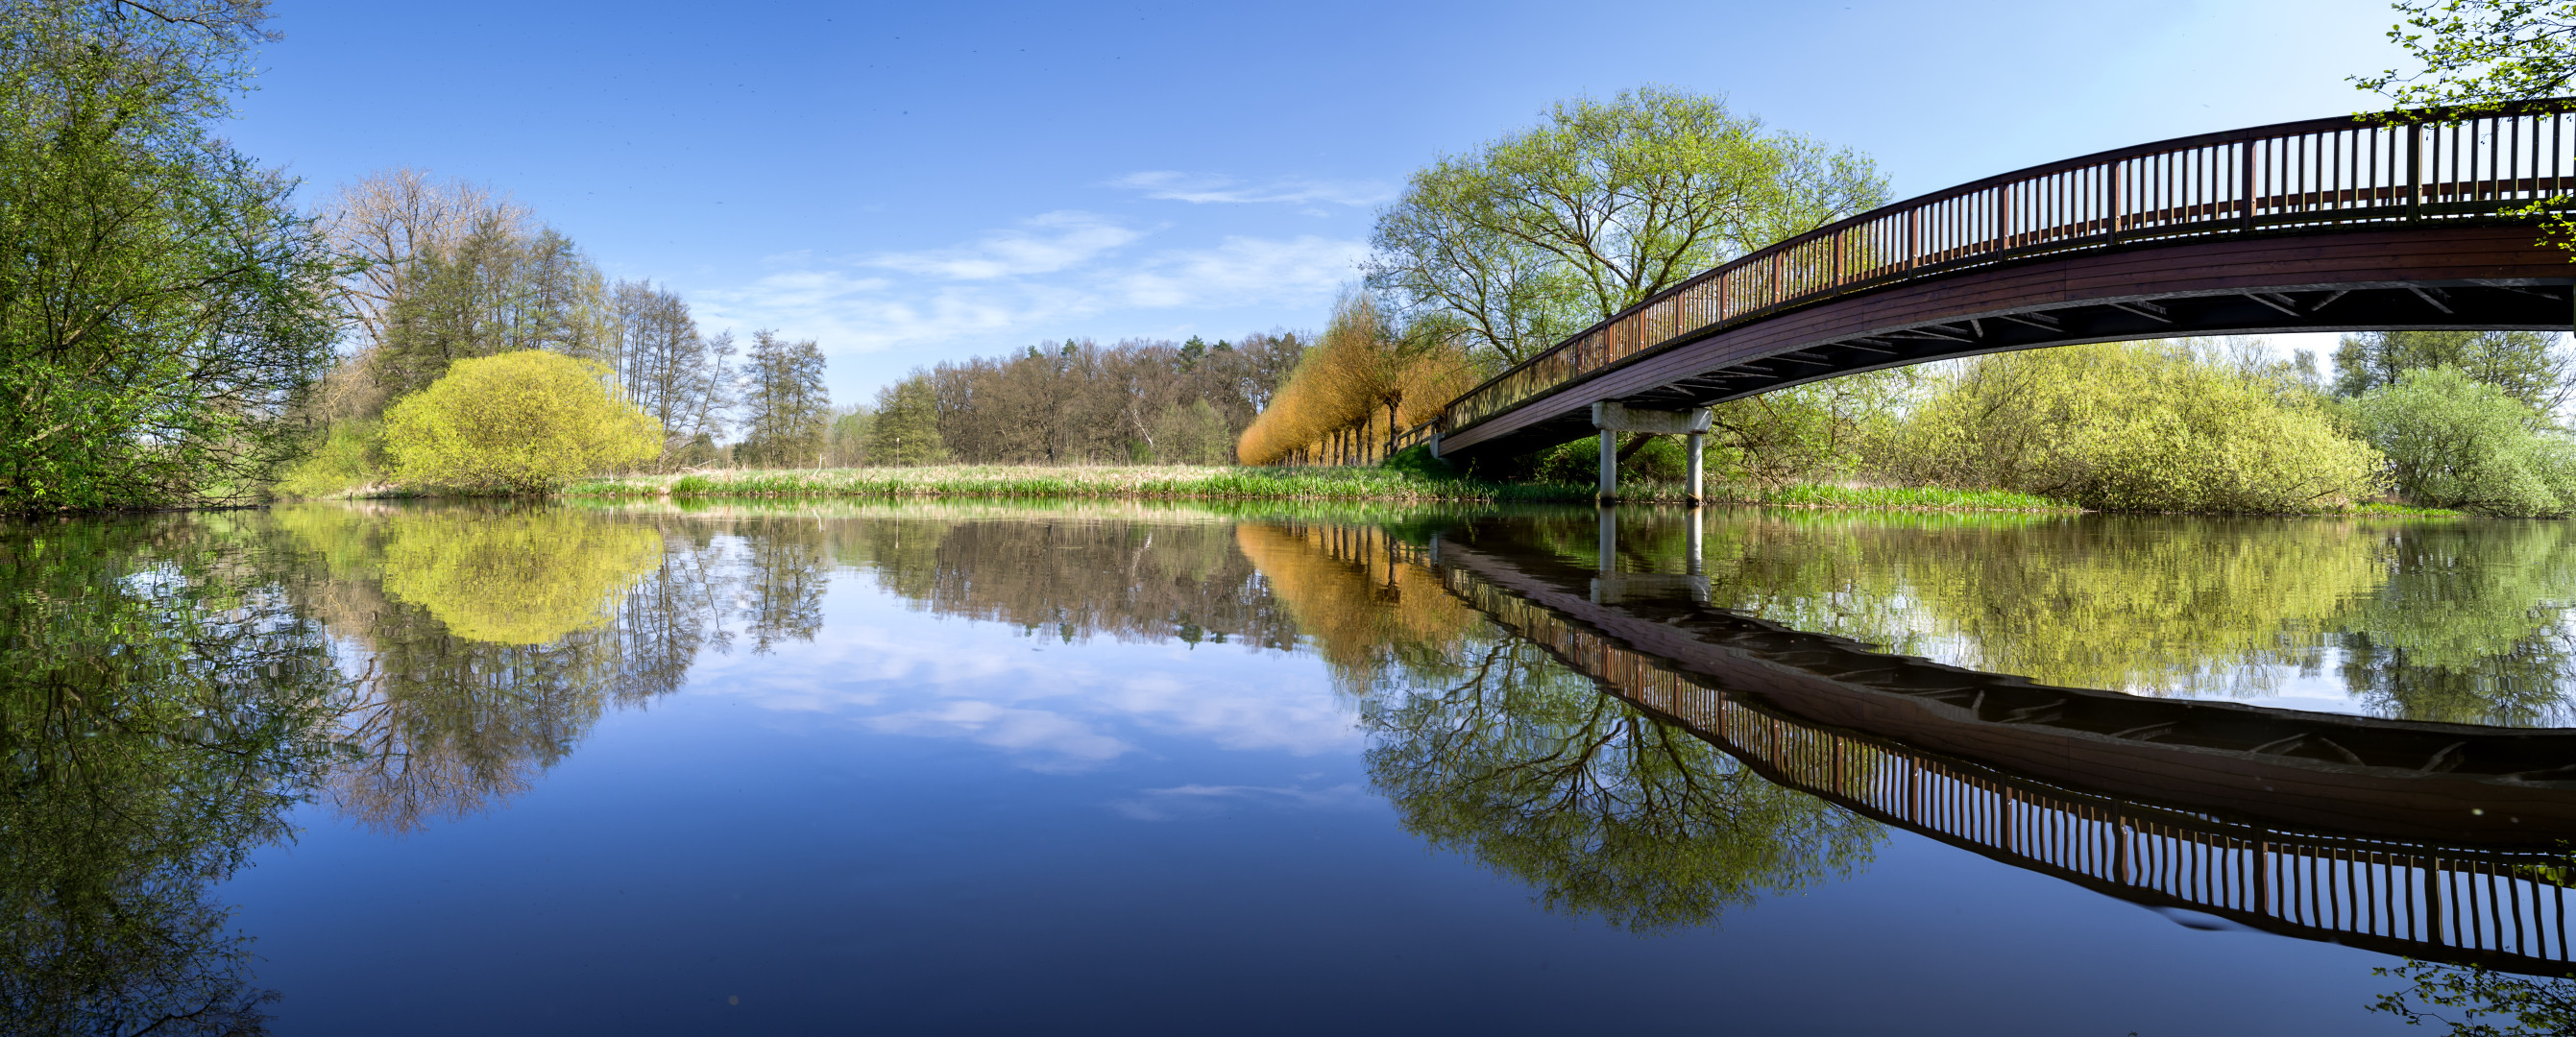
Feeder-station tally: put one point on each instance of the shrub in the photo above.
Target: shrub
(2149, 426)
(2455, 442)
(524, 422)
(351, 456)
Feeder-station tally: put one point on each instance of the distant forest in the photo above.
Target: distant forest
(1076, 402)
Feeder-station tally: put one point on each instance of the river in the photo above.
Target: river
(1119, 767)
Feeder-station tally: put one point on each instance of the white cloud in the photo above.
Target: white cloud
(1196, 801)
(1211, 188)
(1305, 266)
(1039, 245)
(1069, 740)
(1038, 279)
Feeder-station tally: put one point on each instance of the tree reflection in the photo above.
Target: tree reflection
(160, 700)
(2480, 1002)
(1489, 746)
(493, 639)
(2462, 621)
(1528, 768)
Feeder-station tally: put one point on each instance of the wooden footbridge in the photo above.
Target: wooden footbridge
(2435, 841)
(2343, 224)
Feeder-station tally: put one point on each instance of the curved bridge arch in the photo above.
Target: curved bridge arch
(2328, 225)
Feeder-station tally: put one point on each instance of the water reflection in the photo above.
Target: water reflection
(174, 684)
(160, 701)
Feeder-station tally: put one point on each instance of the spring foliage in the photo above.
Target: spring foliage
(2453, 441)
(525, 422)
(2144, 426)
(163, 302)
(1367, 372)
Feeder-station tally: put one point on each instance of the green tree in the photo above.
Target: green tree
(787, 411)
(2149, 426)
(163, 304)
(524, 422)
(2455, 442)
(907, 424)
(2527, 365)
(503, 288)
(2479, 54)
(1544, 232)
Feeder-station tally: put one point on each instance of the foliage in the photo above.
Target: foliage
(906, 429)
(2151, 426)
(1497, 750)
(1195, 434)
(1364, 364)
(675, 374)
(523, 422)
(163, 304)
(2479, 54)
(847, 439)
(787, 410)
(351, 455)
(1077, 401)
(2522, 1006)
(1542, 233)
(2454, 442)
(507, 286)
(2528, 366)
(522, 578)
(162, 708)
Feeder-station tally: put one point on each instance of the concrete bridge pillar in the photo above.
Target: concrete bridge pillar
(1615, 418)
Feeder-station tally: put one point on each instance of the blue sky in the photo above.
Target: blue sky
(910, 183)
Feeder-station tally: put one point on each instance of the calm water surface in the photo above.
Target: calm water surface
(947, 768)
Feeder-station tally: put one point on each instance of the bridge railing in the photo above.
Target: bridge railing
(2324, 172)
(2503, 908)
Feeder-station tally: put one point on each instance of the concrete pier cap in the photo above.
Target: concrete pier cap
(1614, 418)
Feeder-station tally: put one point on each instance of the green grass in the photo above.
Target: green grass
(1178, 482)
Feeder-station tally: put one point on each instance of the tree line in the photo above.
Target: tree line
(1139, 401)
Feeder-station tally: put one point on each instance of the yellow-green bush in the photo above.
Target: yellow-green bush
(350, 457)
(524, 422)
(2137, 426)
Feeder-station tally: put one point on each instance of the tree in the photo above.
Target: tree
(2528, 366)
(387, 220)
(2149, 426)
(505, 287)
(668, 368)
(787, 408)
(852, 429)
(524, 422)
(907, 424)
(2453, 441)
(2480, 54)
(163, 305)
(1547, 231)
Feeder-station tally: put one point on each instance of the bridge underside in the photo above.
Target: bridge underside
(2442, 277)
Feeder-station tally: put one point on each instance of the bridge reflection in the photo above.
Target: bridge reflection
(2295, 823)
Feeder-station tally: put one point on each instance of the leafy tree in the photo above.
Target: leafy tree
(1544, 232)
(2455, 442)
(524, 422)
(2528, 366)
(505, 287)
(163, 304)
(907, 425)
(2479, 54)
(853, 428)
(2153, 426)
(787, 411)
(1195, 434)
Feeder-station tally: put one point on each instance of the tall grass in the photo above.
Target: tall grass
(1178, 482)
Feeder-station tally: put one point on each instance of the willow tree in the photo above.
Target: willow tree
(162, 304)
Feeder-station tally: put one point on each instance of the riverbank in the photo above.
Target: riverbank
(1179, 482)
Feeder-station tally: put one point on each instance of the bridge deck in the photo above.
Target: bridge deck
(2329, 225)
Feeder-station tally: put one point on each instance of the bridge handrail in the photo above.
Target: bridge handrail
(2357, 169)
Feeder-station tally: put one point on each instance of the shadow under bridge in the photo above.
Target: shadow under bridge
(2343, 224)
